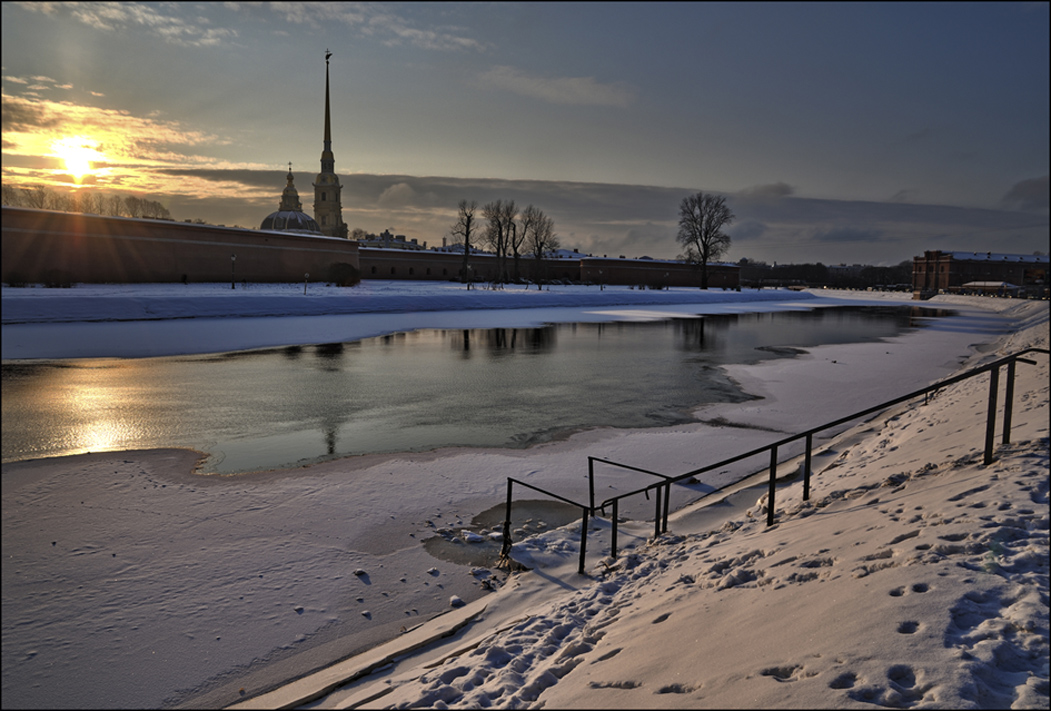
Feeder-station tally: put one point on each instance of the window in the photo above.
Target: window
(322, 197)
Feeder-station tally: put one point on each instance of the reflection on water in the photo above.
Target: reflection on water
(410, 391)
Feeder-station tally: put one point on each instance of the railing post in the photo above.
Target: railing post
(583, 538)
(613, 531)
(806, 466)
(1009, 394)
(667, 498)
(990, 419)
(591, 482)
(505, 549)
(657, 513)
(770, 496)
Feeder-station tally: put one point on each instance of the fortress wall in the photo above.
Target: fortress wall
(657, 273)
(40, 245)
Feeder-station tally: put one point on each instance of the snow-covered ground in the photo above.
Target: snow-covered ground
(915, 575)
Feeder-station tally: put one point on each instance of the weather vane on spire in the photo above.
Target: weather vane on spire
(289, 166)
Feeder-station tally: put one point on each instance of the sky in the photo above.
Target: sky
(838, 133)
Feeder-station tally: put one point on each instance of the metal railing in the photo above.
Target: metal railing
(662, 489)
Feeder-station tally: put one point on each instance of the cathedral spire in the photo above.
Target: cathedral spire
(327, 152)
(328, 209)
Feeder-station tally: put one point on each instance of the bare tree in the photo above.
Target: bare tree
(75, 202)
(701, 221)
(155, 210)
(521, 234)
(11, 195)
(133, 206)
(540, 238)
(462, 231)
(501, 217)
(115, 206)
(35, 196)
(98, 203)
(64, 202)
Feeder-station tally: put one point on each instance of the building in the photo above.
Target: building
(937, 271)
(328, 206)
(290, 216)
(62, 248)
(657, 273)
(391, 241)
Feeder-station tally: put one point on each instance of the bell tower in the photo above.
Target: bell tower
(328, 209)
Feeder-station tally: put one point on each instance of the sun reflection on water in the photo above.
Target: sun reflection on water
(100, 406)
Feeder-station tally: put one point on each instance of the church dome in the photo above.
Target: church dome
(290, 221)
(290, 216)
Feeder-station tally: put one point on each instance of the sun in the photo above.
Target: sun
(79, 154)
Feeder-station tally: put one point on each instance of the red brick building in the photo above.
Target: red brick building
(938, 271)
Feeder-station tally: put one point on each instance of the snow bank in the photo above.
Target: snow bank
(914, 576)
(143, 302)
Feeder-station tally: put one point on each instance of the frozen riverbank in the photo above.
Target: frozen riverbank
(146, 320)
(129, 582)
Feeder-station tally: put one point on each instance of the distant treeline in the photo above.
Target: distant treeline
(754, 273)
(85, 201)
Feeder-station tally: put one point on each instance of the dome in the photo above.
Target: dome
(290, 216)
(290, 221)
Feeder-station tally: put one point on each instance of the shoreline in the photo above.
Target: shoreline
(400, 677)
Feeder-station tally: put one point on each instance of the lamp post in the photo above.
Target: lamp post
(233, 261)
(305, 278)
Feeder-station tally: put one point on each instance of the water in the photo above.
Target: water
(415, 391)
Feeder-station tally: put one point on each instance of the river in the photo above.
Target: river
(283, 407)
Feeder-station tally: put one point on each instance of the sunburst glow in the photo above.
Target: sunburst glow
(79, 154)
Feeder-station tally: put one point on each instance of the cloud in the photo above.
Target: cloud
(130, 152)
(36, 84)
(17, 115)
(149, 136)
(579, 91)
(124, 16)
(846, 234)
(768, 191)
(747, 230)
(403, 195)
(397, 194)
(1029, 195)
(377, 21)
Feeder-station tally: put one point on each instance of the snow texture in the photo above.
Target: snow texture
(915, 576)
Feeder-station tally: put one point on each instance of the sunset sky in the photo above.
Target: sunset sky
(840, 133)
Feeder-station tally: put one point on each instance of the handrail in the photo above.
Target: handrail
(661, 517)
